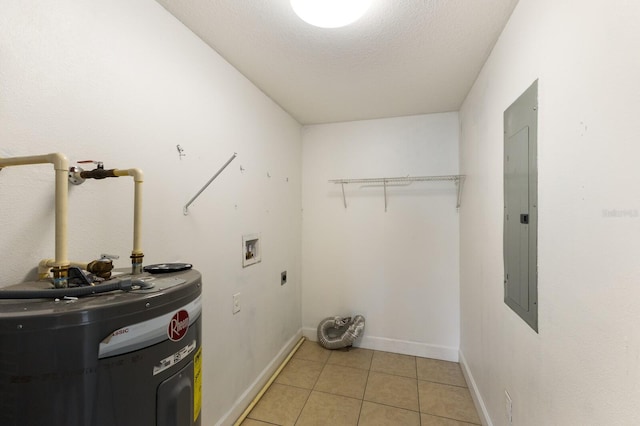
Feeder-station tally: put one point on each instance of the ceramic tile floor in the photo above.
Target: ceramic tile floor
(367, 388)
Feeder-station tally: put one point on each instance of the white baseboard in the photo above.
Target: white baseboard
(405, 347)
(475, 393)
(245, 399)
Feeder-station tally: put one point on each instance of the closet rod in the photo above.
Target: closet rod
(399, 179)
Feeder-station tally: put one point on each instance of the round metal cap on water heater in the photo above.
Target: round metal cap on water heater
(110, 359)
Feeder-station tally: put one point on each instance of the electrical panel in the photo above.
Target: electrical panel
(521, 206)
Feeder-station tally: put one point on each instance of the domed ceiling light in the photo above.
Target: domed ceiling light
(330, 13)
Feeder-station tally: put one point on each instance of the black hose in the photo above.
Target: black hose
(59, 293)
(97, 174)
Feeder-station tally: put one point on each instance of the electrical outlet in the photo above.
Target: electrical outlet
(236, 303)
(283, 277)
(508, 408)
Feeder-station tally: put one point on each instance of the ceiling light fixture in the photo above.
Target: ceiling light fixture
(330, 13)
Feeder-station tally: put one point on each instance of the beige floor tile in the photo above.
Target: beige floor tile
(428, 420)
(312, 351)
(401, 392)
(453, 402)
(396, 364)
(354, 357)
(345, 381)
(301, 373)
(280, 405)
(382, 415)
(435, 370)
(324, 409)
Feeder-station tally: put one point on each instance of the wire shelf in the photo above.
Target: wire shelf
(406, 180)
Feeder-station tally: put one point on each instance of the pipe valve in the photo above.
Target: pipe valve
(77, 174)
(99, 164)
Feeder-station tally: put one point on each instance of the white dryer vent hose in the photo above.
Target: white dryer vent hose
(338, 332)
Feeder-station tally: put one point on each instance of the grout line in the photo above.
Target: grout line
(451, 418)
(336, 394)
(415, 363)
(364, 393)
(324, 364)
(394, 406)
(443, 383)
(262, 421)
(293, 386)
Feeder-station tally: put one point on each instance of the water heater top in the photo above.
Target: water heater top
(168, 290)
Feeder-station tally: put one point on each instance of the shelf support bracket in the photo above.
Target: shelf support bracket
(344, 198)
(459, 183)
(385, 195)
(185, 210)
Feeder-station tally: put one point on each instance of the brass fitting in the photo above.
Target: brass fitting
(61, 276)
(136, 263)
(101, 268)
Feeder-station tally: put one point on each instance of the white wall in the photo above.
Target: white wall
(124, 82)
(400, 268)
(583, 368)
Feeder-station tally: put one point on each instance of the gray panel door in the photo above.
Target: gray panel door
(521, 206)
(517, 209)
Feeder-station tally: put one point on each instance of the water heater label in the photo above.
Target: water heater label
(172, 360)
(178, 325)
(173, 325)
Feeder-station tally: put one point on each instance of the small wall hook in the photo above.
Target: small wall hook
(180, 151)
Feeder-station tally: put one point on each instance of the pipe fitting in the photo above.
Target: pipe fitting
(101, 268)
(136, 174)
(61, 276)
(59, 161)
(136, 263)
(44, 267)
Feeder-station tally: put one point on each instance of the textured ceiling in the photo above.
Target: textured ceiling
(403, 57)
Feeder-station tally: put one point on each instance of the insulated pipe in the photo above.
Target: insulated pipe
(61, 166)
(136, 254)
(138, 177)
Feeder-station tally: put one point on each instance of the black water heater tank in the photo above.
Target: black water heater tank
(110, 359)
